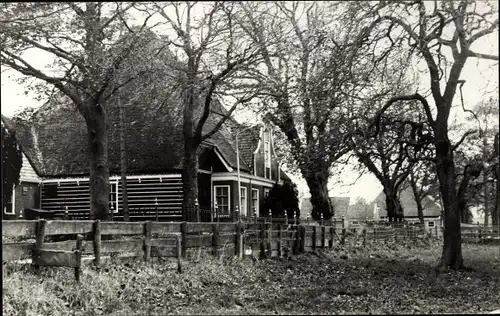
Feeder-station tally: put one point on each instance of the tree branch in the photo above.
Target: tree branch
(213, 84)
(228, 114)
(464, 136)
(484, 32)
(415, 96)
(480, 55)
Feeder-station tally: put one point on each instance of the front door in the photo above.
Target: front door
(204, 190)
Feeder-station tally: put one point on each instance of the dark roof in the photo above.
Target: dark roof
(340, 206)
(407, 199)
(56, 141)
(248, 138)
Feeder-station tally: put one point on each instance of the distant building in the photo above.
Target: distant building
(431, 209)
(340, 205)
(360, 212)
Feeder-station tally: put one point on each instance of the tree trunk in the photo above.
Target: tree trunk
(496, 211)
(420, 211)
(418, 200)
(123, 162)
(190, 178)
(496, 215)
(485, 179)
(451, 256)
(99, 169)
(318, 187)
(393, 206)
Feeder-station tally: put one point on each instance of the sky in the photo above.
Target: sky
(481, 78)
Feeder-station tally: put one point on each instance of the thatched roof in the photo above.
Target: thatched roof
(56, 143)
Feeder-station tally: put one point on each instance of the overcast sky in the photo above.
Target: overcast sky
(481, 78)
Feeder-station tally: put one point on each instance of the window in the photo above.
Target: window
(430, 224)
(221, 193)
(266, 192)
(113, 203)
(243, 201)
(267, 154)
(255, 200)
(50, 190)
(9, 208)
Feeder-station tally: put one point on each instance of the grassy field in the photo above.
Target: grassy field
(380, 279)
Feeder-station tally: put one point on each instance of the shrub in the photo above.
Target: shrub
(282, 201)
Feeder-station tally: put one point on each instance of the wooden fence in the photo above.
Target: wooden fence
(179, 239)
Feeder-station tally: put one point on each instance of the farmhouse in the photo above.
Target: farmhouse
(55, 168)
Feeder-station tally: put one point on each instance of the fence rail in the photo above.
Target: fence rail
(266, 238)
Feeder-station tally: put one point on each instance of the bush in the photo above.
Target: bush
(282, 200)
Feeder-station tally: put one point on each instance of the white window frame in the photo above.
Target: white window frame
(114, 204)
(429, 224)
(243, 201)
(256, 205)
(228, 199)
(12, 203)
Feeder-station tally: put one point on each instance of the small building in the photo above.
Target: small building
(431, 209)
(55, 172)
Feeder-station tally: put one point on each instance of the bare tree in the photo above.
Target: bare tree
(317, 59)
(426, 27)
(393, 152)
(86, 45)
(211, 59)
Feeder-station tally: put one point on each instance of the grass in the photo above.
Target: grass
(380, 279)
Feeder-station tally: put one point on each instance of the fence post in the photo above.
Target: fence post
(97, 242)
(436, 229)
(262, 241)
(296, 243)
(184, 238)
(197, 210)
(40, 235)
(147, 240)
(270, 216)
(239, 240)
(269, 240)
(179, 254)
(235, 214)
(302, 239)
(156, 210)
(344, 231)
(215, 240)
(78, 255)
(295, 218)
(216, 212)
(332, 234)
(314, 238)
(323, 237)
(280, 242)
